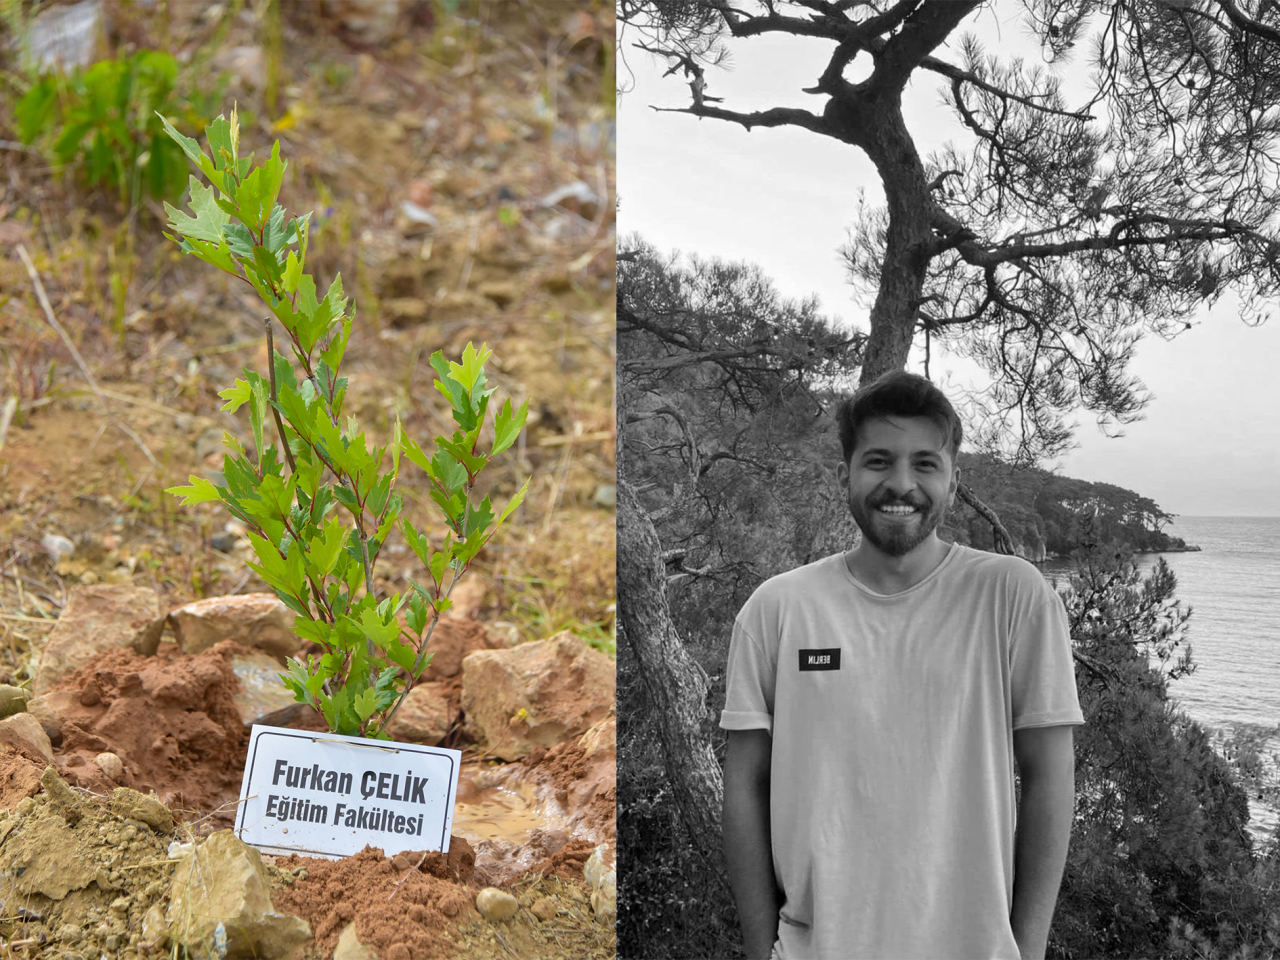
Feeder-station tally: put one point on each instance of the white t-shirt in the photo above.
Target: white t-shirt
(892, 782)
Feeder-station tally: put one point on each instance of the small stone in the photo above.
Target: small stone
(23, 732)
(400, 862)
(70, 933)
(496, 905)
(349, 946)
(57, 546)
(111, 943)
(223, 542)
(110, 764)
(606, 496)
(130, 804)
(120, 905)
(25, 806)
(12, 700)
(544, 909)
(61, 797)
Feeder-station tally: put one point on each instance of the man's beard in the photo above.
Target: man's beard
(896, 538)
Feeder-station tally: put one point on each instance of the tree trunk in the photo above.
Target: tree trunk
(676, 685)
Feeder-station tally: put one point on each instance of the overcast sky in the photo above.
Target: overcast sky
(783, 198)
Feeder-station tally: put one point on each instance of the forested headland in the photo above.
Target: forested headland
(1050, 516)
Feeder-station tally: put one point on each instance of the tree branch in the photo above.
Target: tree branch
(921, 33)
(775, 117)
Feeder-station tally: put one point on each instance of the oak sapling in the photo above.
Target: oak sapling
(318, 519)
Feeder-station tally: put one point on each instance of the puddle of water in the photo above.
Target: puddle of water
(494, 805)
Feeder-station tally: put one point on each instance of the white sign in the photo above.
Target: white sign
(326, 795)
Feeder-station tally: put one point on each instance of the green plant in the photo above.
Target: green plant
(105, 117)
(317, 565)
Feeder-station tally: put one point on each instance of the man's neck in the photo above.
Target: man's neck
(883, 573)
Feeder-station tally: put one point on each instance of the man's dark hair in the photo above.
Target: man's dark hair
(898, 394)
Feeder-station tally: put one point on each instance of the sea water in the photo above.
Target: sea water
(1233, 588)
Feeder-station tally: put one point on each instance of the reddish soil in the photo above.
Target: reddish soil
(169, 718)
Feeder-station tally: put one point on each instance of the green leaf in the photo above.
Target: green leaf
(326, 549)
(268, 266)
(214, 254)
(332, 354)
(292, 273)
(236, 396)
(200, 491)
(460, 451)
(33, 111)
(416, 617)
(193, 151)
(512, 504)
(414, 452)
(257, 415)
(365, 703)
(470, 372)
(371, 625)
(507, 426)
(479, 517)
(311, 629)
(209, 219)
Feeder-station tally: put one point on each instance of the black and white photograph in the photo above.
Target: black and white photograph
(947, 504)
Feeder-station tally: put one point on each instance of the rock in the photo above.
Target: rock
(601, 739)
(58, 547)
(132, 805)
(46, 856)
(253, 620)
(423, 717)
(64, 37)
(223, 542)
(468, 598)
(24, 733)
(454, 638)
(544, 909)
(601, 872)
(62, 799)
(536, 694)
(576, 196)
(111, 765)
(496, 905)
(95, 619)
(49, 710)
(606, 496)
(154, 928)
(350, 948)
(222, 886)
(262, 698)
(12, 700)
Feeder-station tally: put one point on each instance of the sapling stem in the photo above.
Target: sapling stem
(271, 369)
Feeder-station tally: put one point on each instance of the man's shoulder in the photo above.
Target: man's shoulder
(975, 565)
(798, 580)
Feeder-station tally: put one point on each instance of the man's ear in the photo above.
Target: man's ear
(842, 474)
(955, 485)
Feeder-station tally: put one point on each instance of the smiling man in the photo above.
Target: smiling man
(879, 702)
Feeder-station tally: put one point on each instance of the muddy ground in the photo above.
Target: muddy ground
(473, 113)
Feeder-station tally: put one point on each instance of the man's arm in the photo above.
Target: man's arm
(747, 850)
(1046, 764)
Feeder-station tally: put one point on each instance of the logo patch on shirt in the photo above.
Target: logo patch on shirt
(825, 659)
